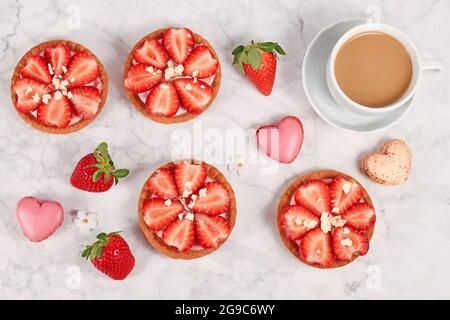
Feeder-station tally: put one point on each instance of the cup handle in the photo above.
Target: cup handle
(432, 65)
(373, 14)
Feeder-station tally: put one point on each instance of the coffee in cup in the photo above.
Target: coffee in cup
(373, 69)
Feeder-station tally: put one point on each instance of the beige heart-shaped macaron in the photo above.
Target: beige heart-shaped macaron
(390, 165)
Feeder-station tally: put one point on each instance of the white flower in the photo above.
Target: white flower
(238, 166)
(85, 221)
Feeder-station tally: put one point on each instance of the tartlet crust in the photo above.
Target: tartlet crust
(285, 200)
(183, 117)
(29, 118)
(157, 242)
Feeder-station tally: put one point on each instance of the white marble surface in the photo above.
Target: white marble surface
(409, 255)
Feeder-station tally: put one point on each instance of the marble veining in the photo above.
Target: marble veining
(409, 256)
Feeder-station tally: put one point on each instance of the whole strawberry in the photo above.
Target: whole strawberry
(258, 61)
(95, 172)
(111, 255)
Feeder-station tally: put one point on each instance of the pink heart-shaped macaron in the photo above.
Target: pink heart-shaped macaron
(39, 220)
(281, 141)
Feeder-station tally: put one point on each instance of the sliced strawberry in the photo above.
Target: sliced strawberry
(194, 95)
(180, 234)
(86, 101)
(58, 57)
(296, 221)
(29, 94)
(361, 216)
(200, 63)
(348, 243)
(344, 194)
(152, 53)
(211, 230)
(82, 69)
(163, 100)
(178, 44)
(36, 68)
(56, 113)
(216, 200)
(189, 177)
(162, 184)
(159, 213)
(315, 249)
(314, 196)
(140, 78)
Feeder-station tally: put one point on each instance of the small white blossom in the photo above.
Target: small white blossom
(85, 221)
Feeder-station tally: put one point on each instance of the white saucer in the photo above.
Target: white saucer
(316, 89)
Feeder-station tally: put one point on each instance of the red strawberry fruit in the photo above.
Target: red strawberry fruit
(86, 101)
(82, 69)
(215, 201)
(55, 113)
(361, 216)
(141, 78)
(180, 234)
(348, 242)
(200, 63)
(296, 221)
(158, 213)
(162, 184)
(178, 44)
(344, 194)
(36, 68)
(189, 177)
(315, 249)
(314, 196)
(58, 57)
(111, 255)
(151, 53)
(258, 61)
(29, 94)
(163, 100)
(95, 172)
(194, 95)
(211, 230)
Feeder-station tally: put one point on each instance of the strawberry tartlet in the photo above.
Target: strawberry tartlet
(326, 219)
(187, 209)
(59, 87)
(172, 75)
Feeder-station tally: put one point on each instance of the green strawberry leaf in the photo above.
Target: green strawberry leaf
(99, 158)
(238, 50)
(237, 57)
(99, 251)
(279, 49)
(102, 236)
(267, 46)
(103, 149)
(245, 57)
(96, 175)
(93, 251)
(254, 58)
(86, 252)
(121, 173)
(240, 63)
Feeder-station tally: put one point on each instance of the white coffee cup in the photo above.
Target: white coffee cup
(373, 24)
